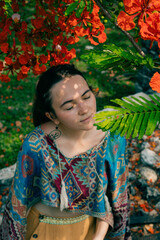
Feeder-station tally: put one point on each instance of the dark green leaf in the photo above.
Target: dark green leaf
(125, 104)
(153, 123)
(145, 107)
(116, 124)
(144, 125)
(127, 124)
(122, 124)
(153, 106)
(138, 124)
(71, 8)
(155, 100)
(130, 130)
(150, 123)
(139, 108)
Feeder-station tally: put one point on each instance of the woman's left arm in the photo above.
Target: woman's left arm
(101, 229)
(118, 187)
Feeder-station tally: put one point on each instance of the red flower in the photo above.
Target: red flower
(37, 69)
(4, 47)
(44, 59)
(23, 59)
(1, 66)
(15, 6)
(134, 8)
(150, 30)
(4, 78)
(20, 76)
(125, 21)
(8, 60)
(58, 39)
(26, 47)
(155, 82)
(24, 69)
(102, 37)
(38, 22)
(72, 20)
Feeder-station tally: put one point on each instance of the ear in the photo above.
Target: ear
(52, 117)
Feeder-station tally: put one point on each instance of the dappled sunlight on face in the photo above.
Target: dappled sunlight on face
(73, 102)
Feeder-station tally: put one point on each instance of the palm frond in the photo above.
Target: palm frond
(135, 116)
(112, 56)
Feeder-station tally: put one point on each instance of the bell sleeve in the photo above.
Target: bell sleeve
(24, 191)
(117, 191)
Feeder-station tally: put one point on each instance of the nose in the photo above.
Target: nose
(82, 108)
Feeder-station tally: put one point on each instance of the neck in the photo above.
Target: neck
(76, 135)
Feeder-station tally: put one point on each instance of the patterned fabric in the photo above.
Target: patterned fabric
(88, 178)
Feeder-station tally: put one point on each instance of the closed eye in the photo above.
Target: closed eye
(69, 108)
(86, 97)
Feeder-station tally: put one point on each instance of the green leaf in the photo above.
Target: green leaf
(150, 123)
(155, 100)
(125, 104)
(144, 125)
(90, 6)
(140, 108)
(156, 96)
(131, 118)
(112, 56)
(153, 106)
(137, 125)
(153, 123)
(122, 124)
(131, 128)
(81, 8)
(71, 7)
(142, 103)
(116, 124)
(127, 124)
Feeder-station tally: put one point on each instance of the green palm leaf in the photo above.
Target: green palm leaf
(136, 116)
(112, 56)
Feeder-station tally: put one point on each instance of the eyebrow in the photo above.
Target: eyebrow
(88, 90)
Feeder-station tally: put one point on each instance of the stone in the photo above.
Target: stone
(134, 157)
(8, 172)
(132, 190)
(149, 174)
(149, 157)
(153, 213)
(132, 176)
(157, 205)
(152, 193)
(157, 148)
(145, 145)
(142, 184)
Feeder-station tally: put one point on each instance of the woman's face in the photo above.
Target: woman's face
(74, 103)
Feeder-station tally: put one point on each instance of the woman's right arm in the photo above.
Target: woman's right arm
(101, 229)
(22, 193)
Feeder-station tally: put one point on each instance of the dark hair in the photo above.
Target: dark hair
(43, 101)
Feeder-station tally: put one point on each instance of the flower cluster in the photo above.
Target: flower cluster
(144, 14)
(33, 43)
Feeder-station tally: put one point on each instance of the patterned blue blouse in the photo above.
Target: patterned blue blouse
(90, 178)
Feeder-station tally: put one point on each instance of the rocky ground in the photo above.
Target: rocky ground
(144, 185)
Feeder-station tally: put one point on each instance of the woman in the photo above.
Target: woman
(71, 179)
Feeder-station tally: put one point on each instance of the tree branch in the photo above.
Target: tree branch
(107, 14)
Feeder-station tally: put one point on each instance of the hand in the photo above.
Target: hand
(98, 238)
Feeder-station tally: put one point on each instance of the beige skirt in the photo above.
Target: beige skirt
(48, 228)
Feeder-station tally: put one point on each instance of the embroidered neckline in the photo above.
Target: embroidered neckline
(85, 154)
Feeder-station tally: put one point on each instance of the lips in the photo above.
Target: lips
(87, 118)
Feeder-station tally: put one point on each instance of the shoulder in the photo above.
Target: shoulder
(32, 140)
(97, 135)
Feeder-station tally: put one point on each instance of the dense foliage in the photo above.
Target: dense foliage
(37, 34)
